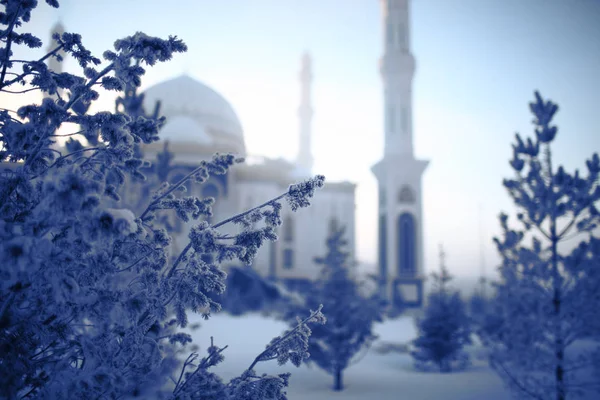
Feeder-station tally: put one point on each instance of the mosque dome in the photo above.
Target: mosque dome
(182, 128)
(196, 114)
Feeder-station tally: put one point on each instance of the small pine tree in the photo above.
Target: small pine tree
(350, 312)
(547, 295)
(478, 304)
(444, 329)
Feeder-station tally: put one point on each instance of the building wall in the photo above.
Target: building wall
(312, 227)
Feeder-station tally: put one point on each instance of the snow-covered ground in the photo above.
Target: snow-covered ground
(376, 376)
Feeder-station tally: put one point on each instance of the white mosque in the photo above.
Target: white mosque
(201, 122)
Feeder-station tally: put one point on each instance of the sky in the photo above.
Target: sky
(478, 64)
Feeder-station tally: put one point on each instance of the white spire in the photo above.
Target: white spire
(53, 64)
(397, 69)
(304, 158)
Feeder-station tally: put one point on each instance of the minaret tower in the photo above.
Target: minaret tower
(304, 158)
(53, 63)
(398, 173)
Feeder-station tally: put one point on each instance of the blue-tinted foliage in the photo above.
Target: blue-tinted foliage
(91, 300)
(247, 291)
(350, 312)
(479, 306)
(444, 330)
(547, 296)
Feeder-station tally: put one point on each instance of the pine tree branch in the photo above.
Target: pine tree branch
(206, 361)
(281, 339)
(172, 189)
(517, 383)
(218, 225)
(24, 74)
(241, 215)
(7, 51)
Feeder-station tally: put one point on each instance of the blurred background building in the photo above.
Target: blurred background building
(201, 122)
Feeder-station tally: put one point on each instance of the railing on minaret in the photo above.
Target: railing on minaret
(397, 66)
(305, 159)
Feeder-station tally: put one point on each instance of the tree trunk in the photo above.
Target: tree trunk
(556, 302)
(559, 350)
(337, 379)
(557, 285)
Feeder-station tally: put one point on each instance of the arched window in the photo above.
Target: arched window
(406, 235)
(334, 225)
(401, 32)
(288, 229)
(288, 258)
(177, 176)
(272, 259)
(404, 120)
(382, 248)
(210, 190)
(406, 195)
(382, 198)
(390, 33)
(391, 119)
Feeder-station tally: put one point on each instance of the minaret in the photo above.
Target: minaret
(397, 67)
(53, 63)
(304, 158)
(399, 173)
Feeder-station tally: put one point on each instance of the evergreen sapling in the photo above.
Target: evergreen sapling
(546, 295)
(350, 312)
(444, 330)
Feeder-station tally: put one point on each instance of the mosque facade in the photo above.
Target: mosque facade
(200, 122)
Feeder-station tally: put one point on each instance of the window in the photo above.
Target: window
(210, 190)
(391, 119)
(288, 258)
(272, 259)
(382, 196)
(390, 34)
(401, 34)
(406, 244)
(288, 229)
(404, 120)
(334, 225)
(382, 248)
(406, 195)
(174, 176)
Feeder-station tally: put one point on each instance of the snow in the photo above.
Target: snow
(376, 376)
(388, 376)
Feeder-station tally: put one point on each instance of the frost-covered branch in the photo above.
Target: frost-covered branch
(70, 239)
(273, 350)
